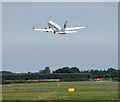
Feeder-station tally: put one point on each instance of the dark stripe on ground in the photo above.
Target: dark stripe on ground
(57, 90)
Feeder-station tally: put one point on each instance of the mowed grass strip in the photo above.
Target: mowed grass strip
(60, 85)
(63, 95)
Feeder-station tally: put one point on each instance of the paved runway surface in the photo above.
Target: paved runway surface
(57, 90)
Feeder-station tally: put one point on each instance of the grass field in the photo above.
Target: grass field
(102, 94)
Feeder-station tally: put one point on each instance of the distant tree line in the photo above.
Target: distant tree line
(67, 70)
(64, 74)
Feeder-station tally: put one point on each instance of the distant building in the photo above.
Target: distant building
(98, 79)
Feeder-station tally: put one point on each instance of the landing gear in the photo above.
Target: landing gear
(54, 32)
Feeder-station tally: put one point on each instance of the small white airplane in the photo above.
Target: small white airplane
(53, 27)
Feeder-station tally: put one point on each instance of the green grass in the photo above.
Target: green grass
(109, 94)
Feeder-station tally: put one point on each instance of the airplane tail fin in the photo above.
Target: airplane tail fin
(33, 28)
(65, 24)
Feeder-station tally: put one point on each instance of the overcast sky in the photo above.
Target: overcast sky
(95, 47)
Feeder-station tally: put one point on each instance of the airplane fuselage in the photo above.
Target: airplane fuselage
(53, 27)
(56, 28)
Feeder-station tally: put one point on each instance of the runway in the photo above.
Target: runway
(58, 90)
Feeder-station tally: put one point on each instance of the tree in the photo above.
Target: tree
(46, 70)
(67, 70)
(63, 70)
(74, 70)
(5, 72)
(111, 70)
(41, 71)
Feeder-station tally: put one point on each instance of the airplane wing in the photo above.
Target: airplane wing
(70, 31)
(45, 30)
(74, 28)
